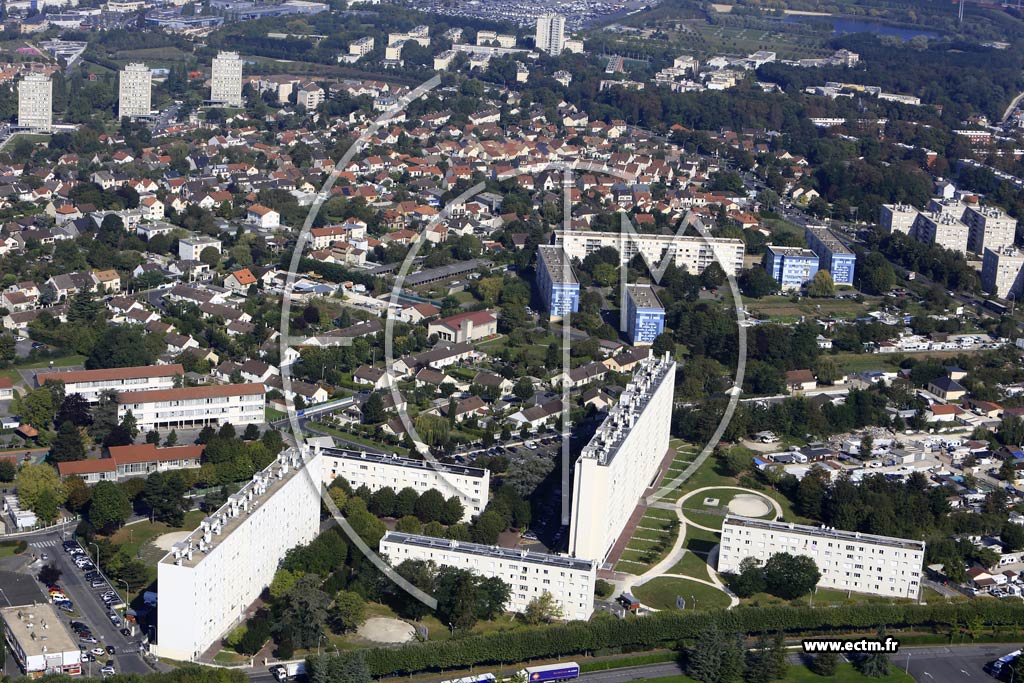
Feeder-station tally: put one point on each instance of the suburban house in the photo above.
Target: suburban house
(464, 327)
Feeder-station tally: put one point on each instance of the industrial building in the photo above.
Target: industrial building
(135, 91)
(622, 460)
(209, 579)
(377, 470)
(570, 581)
(833, 256)
(40, 641)
(791, 267)
(694, 254)
(645, 315)
(559, 288)
(1001, 272)
(89, 384)
(847, 560)
(239, 404)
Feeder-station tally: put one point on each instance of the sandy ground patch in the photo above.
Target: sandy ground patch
(385, 630)
(749, 505)
(167, 541)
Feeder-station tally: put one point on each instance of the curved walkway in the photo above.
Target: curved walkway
(663, 568)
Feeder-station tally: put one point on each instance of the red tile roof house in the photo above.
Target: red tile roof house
(132, 461)
(464, 327)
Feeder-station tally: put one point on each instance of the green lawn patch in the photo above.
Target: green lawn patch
(661, 594)
(699, 540)
(272, 415)
(691, 565)
(707, 519)
(648, 534)
(660, 513)
(11, 548)
(62, 362)
(134, 537)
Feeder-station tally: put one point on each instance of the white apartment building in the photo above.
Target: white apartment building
(942, 228)
(1001, 272)
(897, 217)
(990, 228)
(570, 581)
(361, 47)
(489, 37)
(310, 96)
(210, 579)
(622, 460)
(550, 36)
(226, 79)
(135, 91)
(191, 248)
(694, 253)
(420, 34)
(239, 404)
(847, 560)
(40, 641)
(35, 103)
(443, 60)
(377, 471)
(91, 383)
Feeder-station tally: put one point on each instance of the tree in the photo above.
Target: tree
(69, 445)
(36, 407)
(788, 576)
(454, 511)
(40, 489)
(210, 256)
(756, 282)
(409, 525)
(821, 285)
(373, 409)
(405, 503)
(826, 371)
(123, 346)
(7, 470)
(663, 343)
(172, 438)
(750, 579)
(543, 609)
(487, 527)
(153, 437)
(348, 611)
(825, 664)
(282, 583)
(78, 494)
(875, 664)
(420, 575)
(164, 496)
(118, 436)
(382, 502)
(305, 613)
(523, 389)
(109, 507)
(430, 506)
(75, 409)
(1013, 536)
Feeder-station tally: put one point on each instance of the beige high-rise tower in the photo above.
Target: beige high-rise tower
(226, 79)
(135, 91)
(550, 35)
(35, 103)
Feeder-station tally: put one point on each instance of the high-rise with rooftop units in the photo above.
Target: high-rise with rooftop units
(35, 103)
(226, 80)
(135, 91)
(622, 460)
(550, 36)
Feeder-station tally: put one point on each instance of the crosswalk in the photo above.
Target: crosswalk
(44, 544)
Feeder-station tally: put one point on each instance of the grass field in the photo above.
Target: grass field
(691, 565)
(823, 597)
(134, 537)
(11, 548)
(661, 594)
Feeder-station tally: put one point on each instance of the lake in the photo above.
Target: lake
(840, 25)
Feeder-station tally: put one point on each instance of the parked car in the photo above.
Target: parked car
(126, 632)
(86, 638)
(108, 670)
(111, 651)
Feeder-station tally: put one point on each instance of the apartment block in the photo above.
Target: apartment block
(570, 581)
(833, 255)
(209, 579)
(226, 79)
(91, 383)
(847, 560)
(376, 471)
(989, 227)
(363, 46)
(191, 248)
(559, 288)
(645, 315)
(443, 60)
(690, 252)
(35, 103)
(135, 91)
(491, 37)
(622, 460)
(40, 641)
(239, 404)
(897, 218)
(791, 267)
(941, 228)
(550, 35)
(1001, 272)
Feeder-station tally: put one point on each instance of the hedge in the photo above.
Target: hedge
(661, 628)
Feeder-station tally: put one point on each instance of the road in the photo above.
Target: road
(89, 607)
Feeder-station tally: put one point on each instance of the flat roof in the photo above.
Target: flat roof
(791, 251)
(643, 296)
(555, 262)
(391, 459)
(263, 486)
(38, 629)
(823, 532)
(511, 554)
(829, 239)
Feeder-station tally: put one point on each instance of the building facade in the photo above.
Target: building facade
(239, 404)
(989, 227)
(40, 641)
(791, 267)
(645, 315)
(133, 461)
(362, 46)
(622, 460)
(570, 581)
(550, 36)
(376, 471)
(209, 580)
(226, 79)
(135, 91)
(833, 255)
(1001, 272)
(847, 560)
(942, 228)
(897, 218)
(91, 383)
(693, 253)
(35, 103)
(559, 288)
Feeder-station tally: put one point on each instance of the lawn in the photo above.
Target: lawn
(351, 437)
(61, 362)
(134, 537)
(661, 594)
(699, 540)
(11, 548)
(271, 415)
(691, 565)
(823, 597)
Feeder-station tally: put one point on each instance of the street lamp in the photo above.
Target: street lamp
(318, 641)
(127, 590)
(907, 670)
(97, 554)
